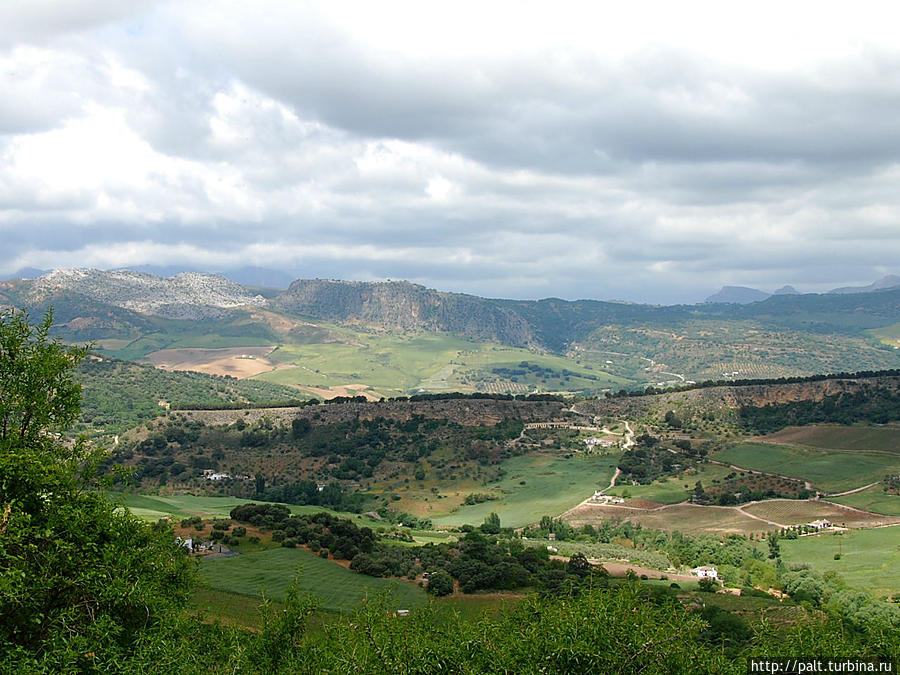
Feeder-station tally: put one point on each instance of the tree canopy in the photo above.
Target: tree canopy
(82, 583)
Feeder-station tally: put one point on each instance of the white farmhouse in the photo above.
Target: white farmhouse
(705, 572)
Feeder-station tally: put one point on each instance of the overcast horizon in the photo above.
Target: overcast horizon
(649, 153)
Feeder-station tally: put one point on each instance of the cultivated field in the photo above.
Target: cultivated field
(239, 362)
(873, 499)
(391, 365)
(270, 572)
(151, 507)
(799, 512)
(552, 485)
(870, 559)
(832, 470)
(688, 518)
(884, 438)
(673, 489)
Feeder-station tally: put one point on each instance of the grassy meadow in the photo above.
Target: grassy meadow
(883, 438)
(873, 499)
(673, 489)
(398, 364)
(152, 507)
(270, 573)
(536, 485)
(869, 559)
(830, 469)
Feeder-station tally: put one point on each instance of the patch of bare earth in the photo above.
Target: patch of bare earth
(239, 362)
(688, 518)
(799, 512)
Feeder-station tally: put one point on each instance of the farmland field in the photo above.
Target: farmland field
(673, 489)
(833, 470)
(687, 518)
(870, 559)
(237, 362)
(271, 572)
(798, 512)
(553, 484)
(884, 438)
(401, 364)
(152, 507)
(873, 499)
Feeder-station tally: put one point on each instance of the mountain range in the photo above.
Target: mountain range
(744, 295)
(134, 314)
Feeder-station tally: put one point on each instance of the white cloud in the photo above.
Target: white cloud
(645, 150)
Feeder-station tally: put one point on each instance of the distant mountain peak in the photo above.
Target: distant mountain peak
(787, 290)
(188, 295)
(740, 295)
(888, 281)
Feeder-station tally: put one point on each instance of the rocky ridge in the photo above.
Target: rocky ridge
(183, 296)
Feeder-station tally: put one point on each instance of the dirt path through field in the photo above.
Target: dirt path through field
(854, 490)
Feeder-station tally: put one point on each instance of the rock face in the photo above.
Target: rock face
(400, 305)
(184, 296)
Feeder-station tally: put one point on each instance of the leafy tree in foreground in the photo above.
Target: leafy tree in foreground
(82, 583)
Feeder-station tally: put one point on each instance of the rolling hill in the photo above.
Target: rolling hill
(390, 338)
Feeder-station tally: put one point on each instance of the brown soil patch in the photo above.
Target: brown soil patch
(797, 512)
(687, 518)
(642, 504)
(239, 362)
(621, 569)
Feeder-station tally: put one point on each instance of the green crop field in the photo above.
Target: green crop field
(870, 559)
(833, 470)
(553, 484)
(884, 438)
(673, 489)
(270, 573)
(889, 335)
(874, 499)
(403, 364)
(152, 507)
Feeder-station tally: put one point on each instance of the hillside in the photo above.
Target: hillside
(332, 338)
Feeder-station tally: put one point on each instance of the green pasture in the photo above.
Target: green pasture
(870, 559)
(553, 484)
(152, 507)
(435, 362)
(833, 470)
(145, 344)
(672, 489)
(874, 499)
(883, 438)
(270, 573)
(889, 335)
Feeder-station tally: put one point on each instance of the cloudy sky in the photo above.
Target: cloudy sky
(652, 152)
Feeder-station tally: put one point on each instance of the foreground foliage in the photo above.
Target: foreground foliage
(81, 583)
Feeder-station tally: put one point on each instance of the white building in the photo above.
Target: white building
(705, 572)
